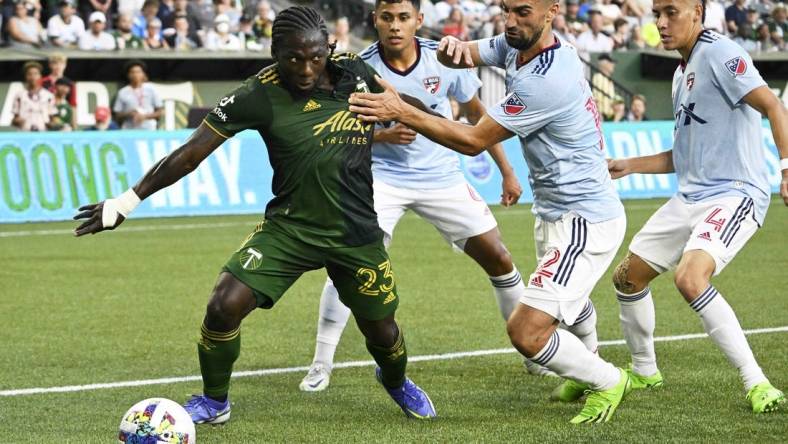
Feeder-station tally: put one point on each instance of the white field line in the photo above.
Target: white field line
(504, 212)
(275, 371)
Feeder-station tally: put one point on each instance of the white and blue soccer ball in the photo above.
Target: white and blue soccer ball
(156, 421)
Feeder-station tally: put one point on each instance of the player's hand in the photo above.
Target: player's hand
(381, 107)
(98, 217)
(455, 52)
(398, 134)
(784, 187)
(511, 190)
(618, 168)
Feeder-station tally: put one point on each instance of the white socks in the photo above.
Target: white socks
(508, 288)
(568, 357)
(331, 322)
(636, 312)
(721, 324)
(585, 327)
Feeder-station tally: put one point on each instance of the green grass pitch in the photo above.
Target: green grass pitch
(127, 305)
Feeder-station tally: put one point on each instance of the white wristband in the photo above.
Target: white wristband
(784, 164)
(127, 202)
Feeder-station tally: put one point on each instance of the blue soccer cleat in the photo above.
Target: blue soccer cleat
(411, 399)
(205, 410)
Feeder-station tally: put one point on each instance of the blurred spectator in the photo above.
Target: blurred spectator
(594, 40)
(24, 30)
(181, 37)
(778, 26)
(124, 38)
(443, 9)
(153, 38)
(573, 19)
(263, 23)
(559, 27)
(715, 16)
(230, 10)
(33, 106)
(610, 12)
(765, 43)
(97, 39)
(246, 34)
(619, 110)
(637, 109)
(603, 86)
(137, 105)
(455, 25)
(341, 35)
(735, 15)
(57, 66)
(636, 38)
(149, 10)
(103, 120)
(107, 7)
(65, 119)
(129, 6)
(166, 11)
(184, 7)
(65, 27)
(621, 34)
(220, 38)
(747, 36)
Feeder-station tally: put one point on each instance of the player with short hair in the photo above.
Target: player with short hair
(723, 194)
(580, 221)
(413, 173)
(322, 214)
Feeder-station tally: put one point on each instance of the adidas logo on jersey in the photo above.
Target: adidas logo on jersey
(389, 298)
(705, 236)
(311, 105)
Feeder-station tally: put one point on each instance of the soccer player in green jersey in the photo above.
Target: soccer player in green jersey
(321, 214)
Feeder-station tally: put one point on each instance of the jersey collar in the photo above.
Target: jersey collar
(395, 70)
(555, 45)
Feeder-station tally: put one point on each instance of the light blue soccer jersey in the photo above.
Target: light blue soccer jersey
(718, 140)
(549, 107)
(423, 164)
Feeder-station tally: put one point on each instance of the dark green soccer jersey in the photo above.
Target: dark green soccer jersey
(320, 153)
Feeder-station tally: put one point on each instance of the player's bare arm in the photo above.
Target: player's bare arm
(397, 134)
(764, 100)
(661, 163)
(511, 189)
(107, 215)
(455, 53)
(389, 106)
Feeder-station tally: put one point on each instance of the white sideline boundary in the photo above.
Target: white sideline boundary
(349, 364)
(505, 212)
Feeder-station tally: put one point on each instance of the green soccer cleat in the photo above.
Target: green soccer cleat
(645, 382)
(600, 405)
(764, 398)
(568, 391)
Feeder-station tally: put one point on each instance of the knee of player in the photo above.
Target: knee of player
(623, 279)
(690, 283)
(221, 310)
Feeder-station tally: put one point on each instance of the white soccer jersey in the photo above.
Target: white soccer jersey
(424, 163)
(718, 140)
(550, 108)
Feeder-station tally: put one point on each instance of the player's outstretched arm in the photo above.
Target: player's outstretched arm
(764, 100)
(510, 186)
(389, 106)
(455, 53)
(661, 163)
(107, 215)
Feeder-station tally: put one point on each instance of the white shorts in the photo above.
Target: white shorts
(719, 227)
(458, 212)
(572, 255)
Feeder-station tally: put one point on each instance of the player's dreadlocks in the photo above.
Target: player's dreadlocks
(297, 19)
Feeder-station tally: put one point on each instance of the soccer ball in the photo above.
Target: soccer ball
(156, 421)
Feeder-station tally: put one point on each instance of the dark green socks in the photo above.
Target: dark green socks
(218, 351)
(392, 362)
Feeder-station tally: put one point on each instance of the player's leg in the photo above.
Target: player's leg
(722, 230)
(256, 275)
(365, 281)
(574, 255)
(333, 314)
(654, 249)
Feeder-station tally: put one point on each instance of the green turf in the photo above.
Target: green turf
(127, 305)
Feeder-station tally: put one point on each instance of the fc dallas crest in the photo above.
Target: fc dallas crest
(736, 66)
(690, 81)
(432, 84)
(513, 105)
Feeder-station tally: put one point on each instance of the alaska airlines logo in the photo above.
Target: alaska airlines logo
(341, 121)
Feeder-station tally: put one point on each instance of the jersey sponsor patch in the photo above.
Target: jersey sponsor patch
(736, 66)
(513, 105)
(432, 84)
